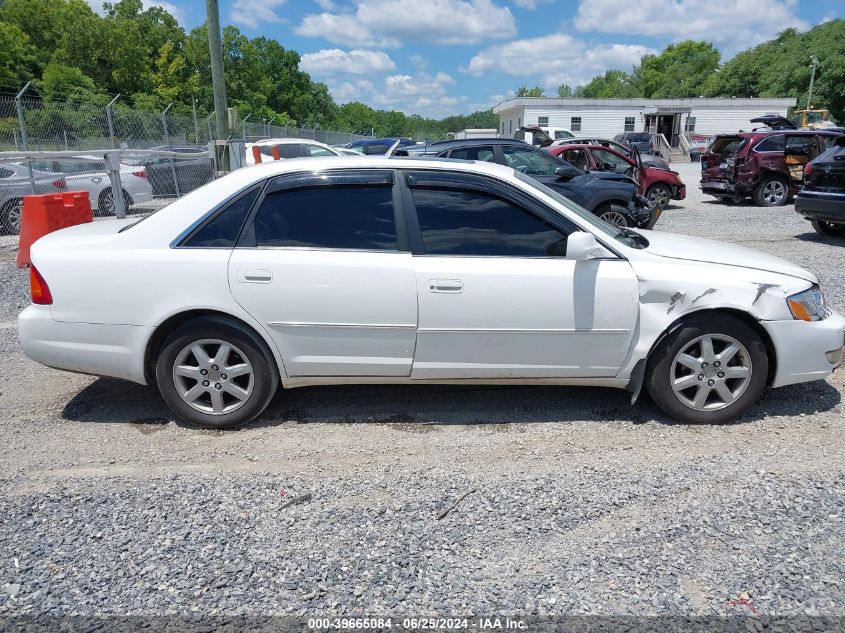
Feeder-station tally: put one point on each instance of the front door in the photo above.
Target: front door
(497, 296)
(326, 271)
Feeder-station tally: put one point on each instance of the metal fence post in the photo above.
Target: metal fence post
(21, 120)
(167, 142)
(110, 119)
(243, 125)
(113, 165)
(208, 124)
(196, 127)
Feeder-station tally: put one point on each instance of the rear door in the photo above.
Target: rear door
(324, 266)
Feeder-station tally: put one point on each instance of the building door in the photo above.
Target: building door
(664, 126)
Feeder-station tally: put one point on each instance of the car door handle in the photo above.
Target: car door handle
(261, 276)
(446, 285)
(96, 179)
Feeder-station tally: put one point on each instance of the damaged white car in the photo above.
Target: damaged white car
(385, 270)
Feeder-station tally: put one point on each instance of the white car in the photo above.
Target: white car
(289, 148)
(88, 173)
(390, 270)
(558, 133)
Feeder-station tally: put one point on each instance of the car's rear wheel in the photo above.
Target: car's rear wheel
(11, 215)
(659, 194)
(614, 215)
(828, 228)
(215, 372)
(711, 369)
(771, 192)
(105, 203)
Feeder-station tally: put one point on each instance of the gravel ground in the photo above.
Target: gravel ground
(577, 503)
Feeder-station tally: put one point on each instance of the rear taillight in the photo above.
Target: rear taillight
(808, 169)
(140, 174)
(38, 288)
(61, 183)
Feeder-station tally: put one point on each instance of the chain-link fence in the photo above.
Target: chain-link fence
(57, 147)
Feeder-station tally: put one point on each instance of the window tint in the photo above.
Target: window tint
(483, 152)
(348, 216)
(222, 230)
(454, 222)
(316, 150)
(529, 161)
(774, 143)
(5, 173)
(290, 150)
(376, 149)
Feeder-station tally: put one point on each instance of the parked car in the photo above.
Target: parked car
(660, 186)
(612, 197)
(15, 183)
(290, 148)
(376, 270)
(766, 165)
(558, 133)
(191, 170)
(648, 159)
(641, 140)
(373, 146)
(88, 173)
(822, 199)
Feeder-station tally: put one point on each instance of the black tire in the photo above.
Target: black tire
(661, 367)
(660, 194)
(11, 215)
(105, 203)
(264, 375)
(828, 228)
(614, 214)
(773, 191)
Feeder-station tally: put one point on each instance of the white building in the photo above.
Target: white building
(608, 117)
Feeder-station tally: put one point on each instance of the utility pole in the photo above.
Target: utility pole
(218, 80)
(814, 61)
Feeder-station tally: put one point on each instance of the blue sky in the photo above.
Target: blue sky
(441, 57)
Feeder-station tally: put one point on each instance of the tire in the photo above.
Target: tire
(105, 202)
(660, 194)
(240, 398)
(11, 215)
(828, 228)
(613, 215)
(679, 357)
(773, 191)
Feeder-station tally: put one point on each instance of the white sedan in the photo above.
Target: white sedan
(389, 270)
(289, 148)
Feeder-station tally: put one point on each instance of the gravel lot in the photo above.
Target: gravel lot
(576, 502)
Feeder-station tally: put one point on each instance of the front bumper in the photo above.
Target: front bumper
(829, 207)
(87, 348)
(806, 350)
(680, 193)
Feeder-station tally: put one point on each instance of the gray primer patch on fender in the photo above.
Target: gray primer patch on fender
(709, 291)
(674, 300)
(761, 288)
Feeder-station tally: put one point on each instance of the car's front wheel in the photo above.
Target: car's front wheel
(215, 372)
(613, 215)
(659, 194)
(772, 192)
(11, 215)
(828, 228)
(710, 369)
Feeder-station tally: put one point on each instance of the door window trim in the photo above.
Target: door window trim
(329, 178)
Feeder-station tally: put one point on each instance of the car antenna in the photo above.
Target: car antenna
(393, 147)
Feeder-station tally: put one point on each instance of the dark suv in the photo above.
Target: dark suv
(822, 199)
(613, 197)
(766, 165)
(641, 140)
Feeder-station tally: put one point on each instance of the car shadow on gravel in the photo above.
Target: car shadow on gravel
(812, 236)
(108, 400)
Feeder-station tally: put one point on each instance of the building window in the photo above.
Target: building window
(689, 126)
(543, 121)
(575, 124)
(629, 123)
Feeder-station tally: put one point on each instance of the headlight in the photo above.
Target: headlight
(808, 305)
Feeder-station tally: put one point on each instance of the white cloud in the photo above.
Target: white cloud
(252, 13)
(384, 23)
(530, 4)
(731, 24)
(331, 61)
(171, 8)
(556, 58)
(326, 5)
(423, 94)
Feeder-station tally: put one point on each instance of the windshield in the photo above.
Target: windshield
(627, 236)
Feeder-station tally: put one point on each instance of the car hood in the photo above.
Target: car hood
(610, 175)
(698, 249)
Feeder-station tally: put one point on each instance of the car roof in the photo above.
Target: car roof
(764, 133)
(469, 142)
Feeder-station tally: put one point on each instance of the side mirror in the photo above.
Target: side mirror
(582, 246)
(564, 172)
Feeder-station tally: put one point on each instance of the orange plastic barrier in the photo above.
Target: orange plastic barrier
(46, 213)
(256, 153)
(275, 150)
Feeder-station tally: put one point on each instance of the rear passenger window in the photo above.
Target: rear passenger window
(454, 222)
(351, 217)
(484, 153)
(223, 229)
(773, 143)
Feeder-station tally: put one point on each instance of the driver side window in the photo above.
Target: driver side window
(529, 161)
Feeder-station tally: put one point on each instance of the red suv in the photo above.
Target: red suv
(766, 165)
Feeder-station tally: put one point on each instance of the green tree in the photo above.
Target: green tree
(17, 55)
(525, 91)
(65, 83)
(564, 91)
(614, 84)
(681, 70)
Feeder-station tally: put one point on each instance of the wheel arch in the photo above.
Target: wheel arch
(170, 324)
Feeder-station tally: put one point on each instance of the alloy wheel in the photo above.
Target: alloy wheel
(774, 191)
(213, 376)
(614, 218)
(711, 372)
(14, 215)
(660, 196)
